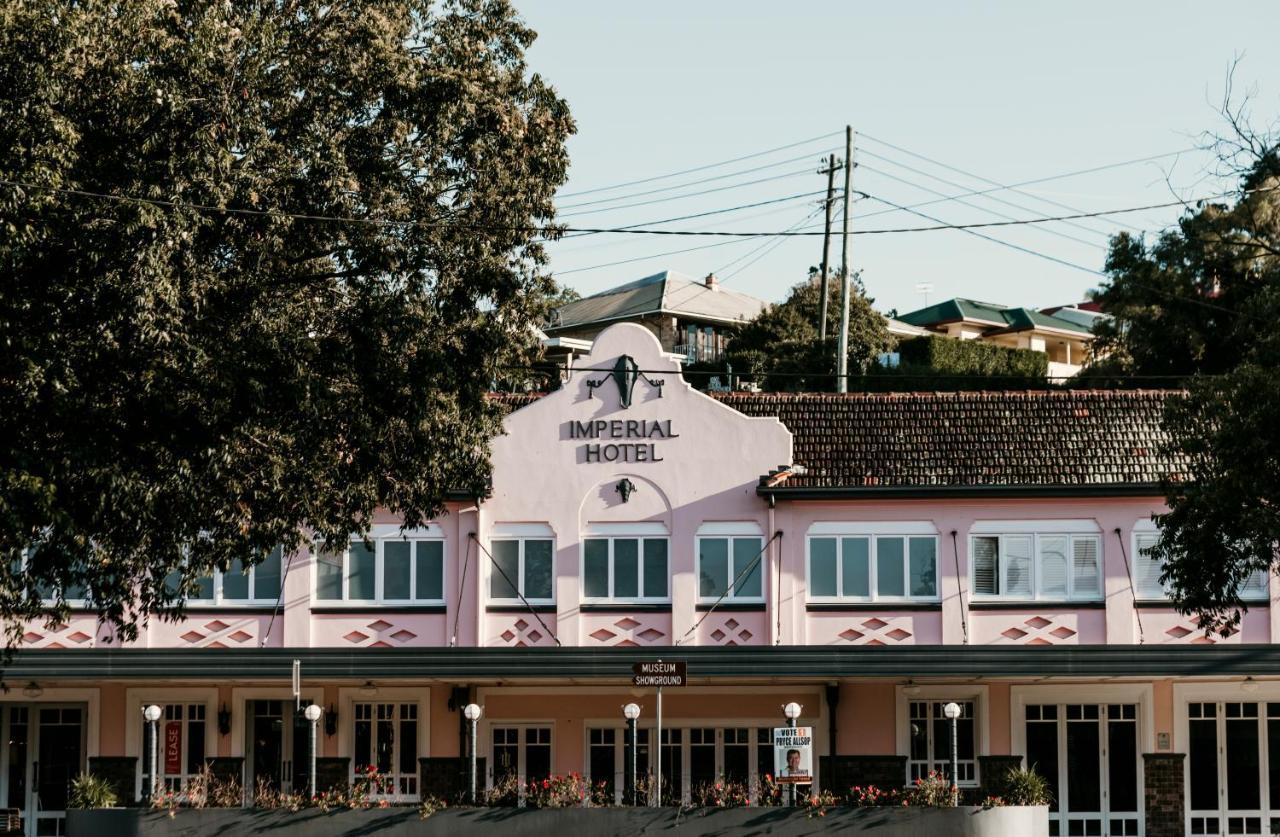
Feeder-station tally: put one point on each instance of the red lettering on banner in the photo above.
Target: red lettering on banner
(173, 747)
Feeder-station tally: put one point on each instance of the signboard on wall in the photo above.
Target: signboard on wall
(173, 747)
(793, 755)
(659, 673)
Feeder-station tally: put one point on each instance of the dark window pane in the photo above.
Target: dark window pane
(502, 581)
(537, 756)
(361, 578)
(235, 583)
(1243, 777)
(537, 569)
(1122, 764)
(713, 567)
(1042, 754)
(746, 569)
(626, 568)
(1273, 758)
(702, 759)
(329, 576)
(266, 576)
(655, 568)
(924, 571)
(395, 570)
(1084, 768)
(409, 747)
(855, 563)
(1202, 764)
(737, 757)
(822, 567)
(889, 568)
(595, 567)
(364, 744)
(429, 582)
(195, 746)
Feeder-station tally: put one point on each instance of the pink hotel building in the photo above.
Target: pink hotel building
(870, 557)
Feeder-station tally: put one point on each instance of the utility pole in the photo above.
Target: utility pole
(830, 172)
(842, 349)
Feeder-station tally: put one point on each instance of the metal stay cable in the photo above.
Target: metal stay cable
(964, 619)
(462, 584)
(751, 565)
(1124, 553)
(507, 579)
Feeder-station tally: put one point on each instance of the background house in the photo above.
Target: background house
(1063, 333)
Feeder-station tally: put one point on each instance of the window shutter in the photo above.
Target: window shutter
(1053, 565)
(1084, 567)
(1255, 586)
(1147, 568)
(1017, 565)
(986, 566)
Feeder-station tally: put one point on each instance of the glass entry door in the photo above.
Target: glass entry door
(277, 747)
(45, 751)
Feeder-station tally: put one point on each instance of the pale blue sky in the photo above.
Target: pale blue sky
(1010, 91)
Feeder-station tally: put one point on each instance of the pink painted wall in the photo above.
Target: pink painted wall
(111, 711)
(998, 707)
(866, 719)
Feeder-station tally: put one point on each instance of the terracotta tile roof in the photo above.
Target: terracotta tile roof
(1075, 438)
(939, 440)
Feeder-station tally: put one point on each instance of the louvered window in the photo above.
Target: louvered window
(1048, 566)
(1147, 568)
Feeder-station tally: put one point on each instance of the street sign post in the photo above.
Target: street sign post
(656, 674)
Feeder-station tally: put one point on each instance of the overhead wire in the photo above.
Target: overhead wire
(962, 202)
(1015, 186)
(705, 167)
(687, 184)
(683, 195)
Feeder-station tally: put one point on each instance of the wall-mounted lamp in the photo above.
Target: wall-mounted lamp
(911, 689)
(32, 690)
(368, 688)
(331, 720)
(1249, 685)
(224, 720)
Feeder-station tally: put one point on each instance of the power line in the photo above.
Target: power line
(1014, 187)
(699, 168)
(687, 183)
(957, 198)
(769, 243)
(684, 195)
(620, 230)
(954, 199)
(969, 228)
(705, 214)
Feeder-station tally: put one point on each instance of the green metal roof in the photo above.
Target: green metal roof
(706, 663)
(1004, 318)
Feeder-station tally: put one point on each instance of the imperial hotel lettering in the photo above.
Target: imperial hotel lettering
(623, 430)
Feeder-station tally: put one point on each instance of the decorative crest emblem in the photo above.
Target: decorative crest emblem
(625, 374)
(626, 488)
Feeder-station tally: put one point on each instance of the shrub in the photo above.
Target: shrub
(429, 805)
(557, 792)
(90, 791)
(1024, 786)
(768, 792)
(870, 796)
(932, 791)
(722, 794)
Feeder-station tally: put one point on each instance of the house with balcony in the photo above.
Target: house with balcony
(690, 318)
(1063, 333)
(871, 557)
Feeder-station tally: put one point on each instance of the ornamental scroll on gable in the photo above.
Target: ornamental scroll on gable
(626, 372)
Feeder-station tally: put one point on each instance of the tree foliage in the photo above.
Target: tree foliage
(1203, 301)
(780, 349)
(191, 376)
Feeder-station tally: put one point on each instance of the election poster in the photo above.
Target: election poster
(793, 755)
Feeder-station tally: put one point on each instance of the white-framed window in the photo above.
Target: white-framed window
(1147, 569)
(523, 564)
(1057, 560)
(626, 562)
(730, 562)
(872, 562)
(519, 752)
(392, 567)
(929, 746)
(74, 595)
(181, 743)
(385, 738)
(239, 585)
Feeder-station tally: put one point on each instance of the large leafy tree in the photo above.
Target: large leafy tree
(780, 348)
(1203, 301)
(206, 364)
